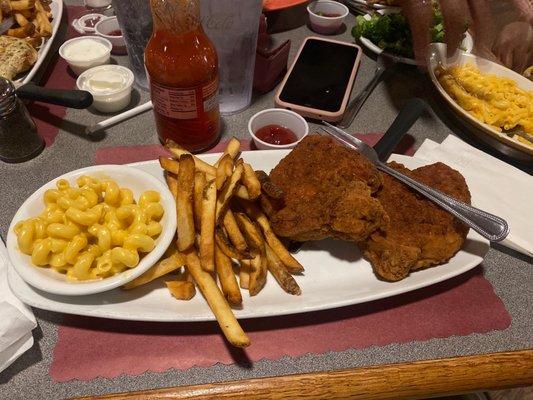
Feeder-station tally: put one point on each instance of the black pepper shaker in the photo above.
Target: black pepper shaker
(19, 140)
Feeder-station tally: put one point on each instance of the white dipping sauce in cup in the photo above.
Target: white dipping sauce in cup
(85, 50)
(110, 86)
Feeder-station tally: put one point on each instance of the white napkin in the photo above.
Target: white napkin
(16, 319)
(496, 186)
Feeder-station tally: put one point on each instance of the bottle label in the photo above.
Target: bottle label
(184, 103)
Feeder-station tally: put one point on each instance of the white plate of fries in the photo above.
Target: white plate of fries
(262, 278)
(35, 21)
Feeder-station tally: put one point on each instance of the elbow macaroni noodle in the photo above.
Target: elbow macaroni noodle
(494, 100)
(91, 231)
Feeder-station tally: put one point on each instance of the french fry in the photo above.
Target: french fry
(201, 165)
(224, 170)
(233, 231)
(244, 274)
(170, 165)
(250, 181)
(293, 266)
(162, 267)
(218, 304)
(242, 193)
(267, 186)
(223, 242)
(250, 231)
(199, 186)
(39, 6)
(184, 203)
(210, 171)
(207, 229)
(181, 290)
(258, 273)
(233, 149)
(172, 183)
(17, 5)
(21, 19)
(228, 281)
(28, 14)
(22, 32)
(44, 25)
(227, 192)
(280, 273)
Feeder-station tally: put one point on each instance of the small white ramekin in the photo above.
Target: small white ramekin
(79, 67)
(278, 116)
(107, 25)
(109, 101)
(326, 25)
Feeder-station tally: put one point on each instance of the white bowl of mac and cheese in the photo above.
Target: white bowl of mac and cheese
(92, 230)
(493, 99)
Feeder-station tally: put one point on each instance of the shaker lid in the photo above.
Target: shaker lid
(7, 94)
(7, 89)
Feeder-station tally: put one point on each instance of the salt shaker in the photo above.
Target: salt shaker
(19, 140)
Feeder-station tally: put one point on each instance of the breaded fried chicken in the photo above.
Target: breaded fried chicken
(327, 193)
(419, 233)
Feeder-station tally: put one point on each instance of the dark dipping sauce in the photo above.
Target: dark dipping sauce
(276, 134)
(116, 32)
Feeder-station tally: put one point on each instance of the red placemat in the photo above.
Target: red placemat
(89, 347)
(48, 117)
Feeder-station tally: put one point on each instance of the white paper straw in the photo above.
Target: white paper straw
(118, 118)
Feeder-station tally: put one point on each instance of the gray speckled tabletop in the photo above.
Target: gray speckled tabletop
(510, 273)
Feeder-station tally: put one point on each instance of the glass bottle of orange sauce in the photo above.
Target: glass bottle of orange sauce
(182, 66)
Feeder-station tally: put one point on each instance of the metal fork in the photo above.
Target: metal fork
(487, 225)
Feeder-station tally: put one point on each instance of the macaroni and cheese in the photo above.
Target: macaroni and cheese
(92, 230)
(494, 100)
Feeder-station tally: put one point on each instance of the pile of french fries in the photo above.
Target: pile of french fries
(31, 19)
(222, 235)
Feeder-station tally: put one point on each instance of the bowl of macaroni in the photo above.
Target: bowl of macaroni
(493, 99)
(92, 230)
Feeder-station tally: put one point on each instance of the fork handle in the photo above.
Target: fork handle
(487, 225)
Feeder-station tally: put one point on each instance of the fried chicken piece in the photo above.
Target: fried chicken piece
(327, 193)
(420, 233)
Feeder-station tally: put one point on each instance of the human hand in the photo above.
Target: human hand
(458, 15)
(514, 46)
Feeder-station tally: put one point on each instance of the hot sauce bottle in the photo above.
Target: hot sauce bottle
(182, 65)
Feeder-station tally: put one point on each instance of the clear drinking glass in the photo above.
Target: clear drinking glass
(232, 25)
(135, 20)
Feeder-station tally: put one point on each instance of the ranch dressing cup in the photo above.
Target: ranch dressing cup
(19, 140)
(85, 52)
